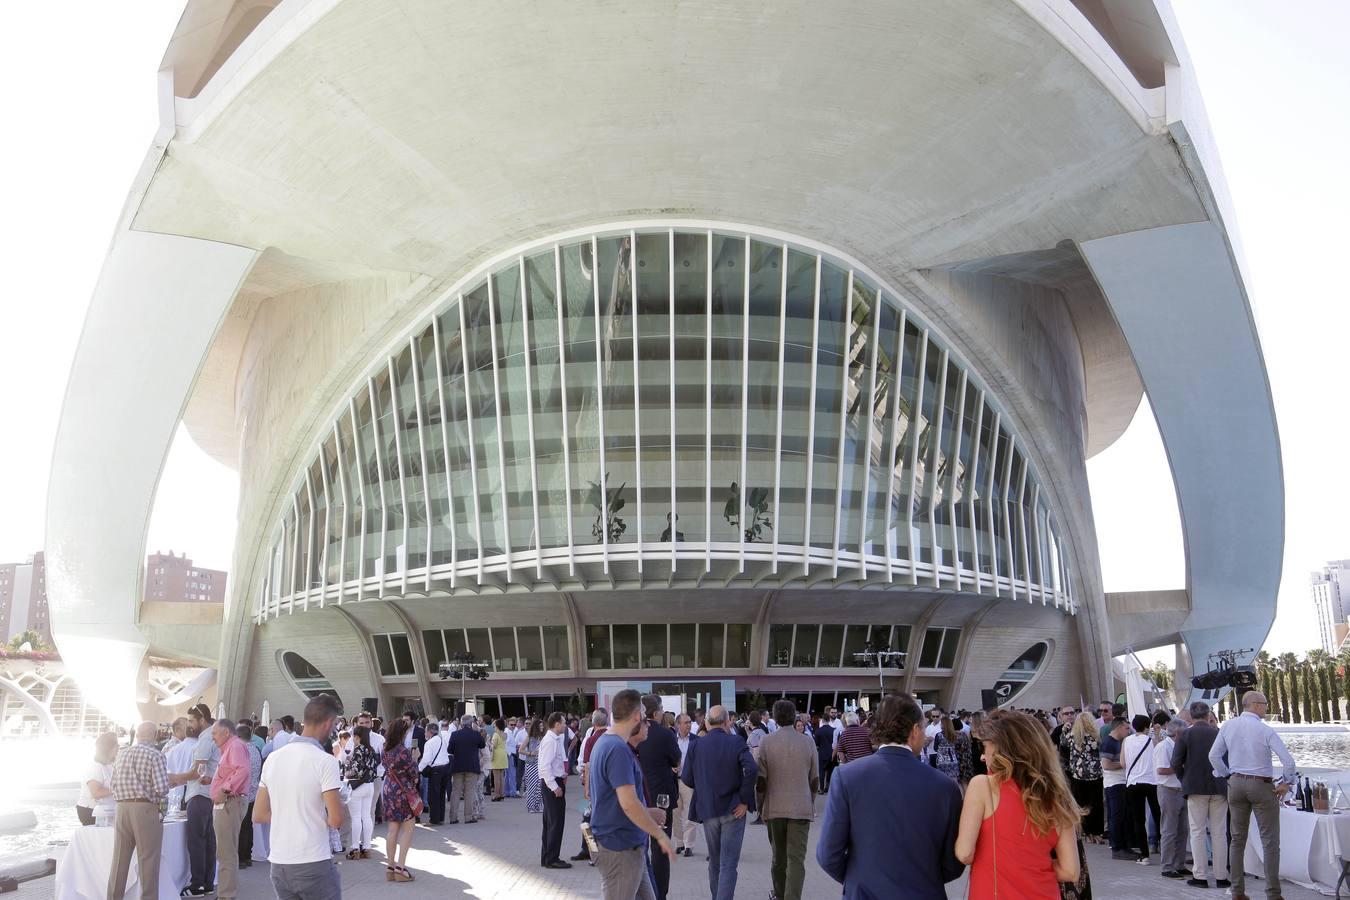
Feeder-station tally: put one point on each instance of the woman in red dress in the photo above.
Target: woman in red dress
(1016, 815)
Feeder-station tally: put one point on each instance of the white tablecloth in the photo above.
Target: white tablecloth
(1309, 846)
(83, 872)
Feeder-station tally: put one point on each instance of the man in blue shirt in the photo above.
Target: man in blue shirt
(620, 819)
(722, 773)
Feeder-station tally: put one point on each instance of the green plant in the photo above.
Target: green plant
(607, 503)
(757, 502)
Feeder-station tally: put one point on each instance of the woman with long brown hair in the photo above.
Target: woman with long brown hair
(1016, 815)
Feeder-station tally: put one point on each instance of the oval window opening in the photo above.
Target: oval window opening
(305, 677)
(1021, 672)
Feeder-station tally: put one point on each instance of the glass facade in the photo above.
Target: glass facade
(666, 407)
(834, 646)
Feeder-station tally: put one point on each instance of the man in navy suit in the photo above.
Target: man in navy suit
(720, 769)
(825, 750)
(887, 800)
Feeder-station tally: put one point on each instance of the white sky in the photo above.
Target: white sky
(80, 105)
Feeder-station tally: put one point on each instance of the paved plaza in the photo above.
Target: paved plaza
(499, 857)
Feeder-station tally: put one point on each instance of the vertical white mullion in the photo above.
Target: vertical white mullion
(1036, 536)
(295, 552)
(415, 360)
(989, 497)
(846, 356)
(939, 414)
(327, 517)
(529, 420)
(972, 481)
(361, 489)
(674, 483)
(637, 390)
(309, 558)
(897, 391)
(562, 382)
(707, 407)
(1022, 518)
(811, 423)
(379, 474)
(600, 405)
(871, 423)
(745, 406)
(445, 442)
(468, 420)
(346, 512)
(951, 488)
(394, 416)
(916, 415)
(778, 421)
(501, 438)
(1007, 519)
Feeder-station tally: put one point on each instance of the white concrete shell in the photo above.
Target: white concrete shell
(368, 156)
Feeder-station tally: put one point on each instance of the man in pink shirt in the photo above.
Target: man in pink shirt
(229, 796)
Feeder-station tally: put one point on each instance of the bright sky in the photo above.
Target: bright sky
(1276, 82)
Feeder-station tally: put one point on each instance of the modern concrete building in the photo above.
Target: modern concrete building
(691, 344)
(1330, 588)
(171, 578)
(23, 598)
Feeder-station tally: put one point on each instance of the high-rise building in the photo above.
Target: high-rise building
(1330, 593)
(23, 598)
(173, 578)
(691, 348)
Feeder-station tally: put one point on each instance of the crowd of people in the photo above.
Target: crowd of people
(913, 796)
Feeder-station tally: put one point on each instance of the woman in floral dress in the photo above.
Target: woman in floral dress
(401, 787)
(1085, 773)
(534, 799)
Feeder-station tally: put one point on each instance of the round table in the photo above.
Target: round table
(83, 872)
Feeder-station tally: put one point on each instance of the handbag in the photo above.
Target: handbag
(1082, 888)
(415, 804)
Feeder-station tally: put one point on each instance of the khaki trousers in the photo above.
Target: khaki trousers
(138, 830)
(1245, 797)
(225, 817)
(684, 829)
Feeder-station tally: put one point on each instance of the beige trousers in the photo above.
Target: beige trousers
(138, 830)
(226, 816)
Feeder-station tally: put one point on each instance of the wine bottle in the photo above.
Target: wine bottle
(1298, 792)
(1308, 794)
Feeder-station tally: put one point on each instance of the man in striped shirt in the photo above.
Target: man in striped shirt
(856, 740)
(140, 780)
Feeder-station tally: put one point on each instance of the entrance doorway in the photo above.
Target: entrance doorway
(697, 694)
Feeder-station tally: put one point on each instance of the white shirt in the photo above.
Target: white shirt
(377, 744)
(1249, 742)
(1143, 771)
(408, 739)
(1162, 759)
(684, 747)
(178, 760)
(552, 759)
(102, 773)
(282, 739)
(435, 753)
(296, 778)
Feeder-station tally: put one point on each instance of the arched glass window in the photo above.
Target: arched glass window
(305, 677)
(1021, 672)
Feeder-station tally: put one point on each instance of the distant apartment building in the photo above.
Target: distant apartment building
(173, 578)
(1331, 592)
(23, 598)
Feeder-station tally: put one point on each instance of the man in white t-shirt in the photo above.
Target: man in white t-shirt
(1141, 782)
(298, 793)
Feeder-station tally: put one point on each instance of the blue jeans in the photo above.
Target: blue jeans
(307, 881)
(511, 775)
(724, 835)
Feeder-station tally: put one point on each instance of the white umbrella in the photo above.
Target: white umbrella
(266, 713)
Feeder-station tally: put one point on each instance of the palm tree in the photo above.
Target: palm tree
(1312, 694)
(1289, 667)
(1264, 678)
(1343, 660)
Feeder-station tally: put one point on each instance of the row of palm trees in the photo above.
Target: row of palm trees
(1313, 689)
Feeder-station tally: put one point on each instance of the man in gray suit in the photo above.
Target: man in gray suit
(785, 790)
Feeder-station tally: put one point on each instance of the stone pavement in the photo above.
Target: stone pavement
(498, 857)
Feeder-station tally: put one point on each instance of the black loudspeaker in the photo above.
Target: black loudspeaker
(988, 699)
(541, 708)
(370, 705)
(459, 710)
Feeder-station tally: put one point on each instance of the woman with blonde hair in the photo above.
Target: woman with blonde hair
(1014, 817)
(1085, 773)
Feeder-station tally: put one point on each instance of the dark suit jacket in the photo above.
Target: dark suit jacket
(659, 757)
(1190, 760)
(720, 769)
(464, 746)
(824, 739)
(882, 802)
(419, 738)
